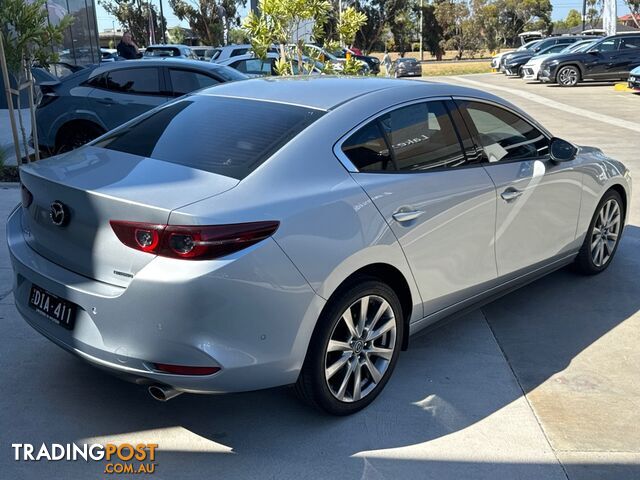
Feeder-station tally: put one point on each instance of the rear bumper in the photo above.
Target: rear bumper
(252, 315)
(410, 74)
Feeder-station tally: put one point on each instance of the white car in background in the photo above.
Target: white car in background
(495, 61)
(531, 69)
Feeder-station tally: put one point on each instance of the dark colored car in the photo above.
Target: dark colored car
(634, 79)
(536, 48)
(612, 58)
(406, 67)
(90, 102)
(372, 62)
(516, 61)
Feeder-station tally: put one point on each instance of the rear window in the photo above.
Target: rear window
(227, 136)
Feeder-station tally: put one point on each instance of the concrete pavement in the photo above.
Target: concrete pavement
(541, 384)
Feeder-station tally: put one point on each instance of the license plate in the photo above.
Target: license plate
(56, 309)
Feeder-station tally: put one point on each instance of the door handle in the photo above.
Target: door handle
(511, 194)
(406, 215)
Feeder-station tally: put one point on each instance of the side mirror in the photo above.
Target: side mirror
(561, 150)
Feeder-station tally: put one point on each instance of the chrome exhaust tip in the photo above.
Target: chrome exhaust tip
(162, 393)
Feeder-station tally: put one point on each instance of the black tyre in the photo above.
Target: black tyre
(354, 348)
(75, 135)
(568, 76)
(603, 237)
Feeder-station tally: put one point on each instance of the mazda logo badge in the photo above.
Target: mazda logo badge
(59, 214)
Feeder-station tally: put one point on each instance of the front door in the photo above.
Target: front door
(538, 200)
(600, 58)
(437, 199)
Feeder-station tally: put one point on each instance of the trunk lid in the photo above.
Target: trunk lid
(96, 185)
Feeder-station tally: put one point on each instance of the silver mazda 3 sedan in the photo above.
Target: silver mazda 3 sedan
(297, 231)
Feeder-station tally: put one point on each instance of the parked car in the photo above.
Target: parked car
(406, 67)
(354, 213)
(90, 102)
(496, 60)
(611, 58)
(109, 55)
(531, 69)
(203, 52)
(221, 54)
(538, 47)
(515, 63)
(634, 79)
(257, 67)
(336, 62)
(372, 62)
(173, 51)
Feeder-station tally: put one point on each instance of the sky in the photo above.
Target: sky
(560, 10)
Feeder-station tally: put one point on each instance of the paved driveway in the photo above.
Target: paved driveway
(542, 384)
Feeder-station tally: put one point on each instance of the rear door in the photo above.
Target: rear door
(538, 200)
(423, 177)
(600, 59)
(125, 93)
(627, 58)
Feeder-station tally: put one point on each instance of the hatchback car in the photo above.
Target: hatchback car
(85, 105)
(185, 254)
(406, 67)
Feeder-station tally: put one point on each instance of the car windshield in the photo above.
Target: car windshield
(227, 136)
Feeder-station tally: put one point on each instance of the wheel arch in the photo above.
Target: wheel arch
(76, 123)
(391, 276)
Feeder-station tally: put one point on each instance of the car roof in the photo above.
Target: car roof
(156, 62)
(328, 92)
(168, 45)
(245, 56)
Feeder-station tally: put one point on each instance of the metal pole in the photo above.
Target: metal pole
(164, 27)
(421, 33)
(584, 13)
(340, 19)
(7, 89)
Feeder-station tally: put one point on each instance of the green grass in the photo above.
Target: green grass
(455, 68)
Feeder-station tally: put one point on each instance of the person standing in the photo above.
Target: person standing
(127, 48)
(386, 61)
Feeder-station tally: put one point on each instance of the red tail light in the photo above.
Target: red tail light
(192, 242)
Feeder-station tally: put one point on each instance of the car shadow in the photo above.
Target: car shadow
(449, 379)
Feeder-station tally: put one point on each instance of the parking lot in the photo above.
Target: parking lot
(541, 384)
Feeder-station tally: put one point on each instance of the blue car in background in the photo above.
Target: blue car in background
(92, 101)
(634, 79)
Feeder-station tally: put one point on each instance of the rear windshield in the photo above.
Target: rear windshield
(227, 136)
(161, 52)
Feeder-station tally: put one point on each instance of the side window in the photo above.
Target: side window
(630, 43)
(368, 150)
(99, 81)
(607, 46)
(505, 136)
(185, 81)
(254, 66)
(422, 137)
(144, 81)
(418, 137)
(238, 51)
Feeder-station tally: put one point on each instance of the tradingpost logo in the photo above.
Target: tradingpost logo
(120, 458)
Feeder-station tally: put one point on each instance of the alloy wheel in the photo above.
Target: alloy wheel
(360, 348)
(605, 233)
(568, 76)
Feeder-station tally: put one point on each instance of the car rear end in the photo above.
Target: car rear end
(409, 67)
(102, 271)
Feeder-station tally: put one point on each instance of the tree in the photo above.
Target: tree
(382, 15)
(574, 18)
(133, 15)
(207, 17)
(594, 12)
(634, 9)
(516, 16)
(431, 31)
(459, 30)
(487, 19)
(176, 35)
(281, 22)
(28, 39)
